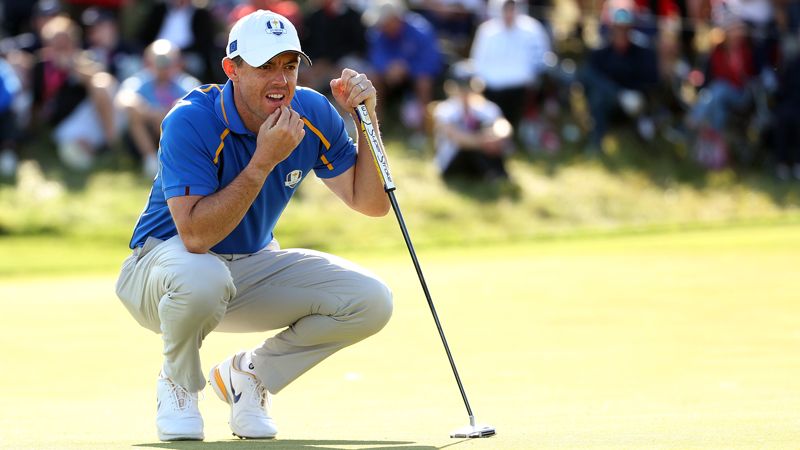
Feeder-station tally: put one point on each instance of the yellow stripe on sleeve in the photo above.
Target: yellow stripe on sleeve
(325, 161)
(221, 144)
(318, 133)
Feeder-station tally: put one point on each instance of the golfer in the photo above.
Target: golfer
(204, 255)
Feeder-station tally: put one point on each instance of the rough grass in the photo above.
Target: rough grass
(632, 189)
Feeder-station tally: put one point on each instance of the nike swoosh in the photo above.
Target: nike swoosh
(236, 396)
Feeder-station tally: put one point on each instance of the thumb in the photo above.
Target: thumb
(272, 119)
(336, 85)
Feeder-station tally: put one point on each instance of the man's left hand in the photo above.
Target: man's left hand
(352, 89)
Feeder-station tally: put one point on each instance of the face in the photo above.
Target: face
(259, 91)
(619, 37)
(509, 13)
(164, 67)
(392, 26)
(103, 34)
(62, 48)
(736, 33)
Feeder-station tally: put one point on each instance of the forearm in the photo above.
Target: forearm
(214, 217)
(463, 139)
(368, 195)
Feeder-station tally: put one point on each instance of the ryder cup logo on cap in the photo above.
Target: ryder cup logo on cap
(262, 35)
(276, 27)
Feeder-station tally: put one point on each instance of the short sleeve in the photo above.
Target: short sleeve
(187, 162)
(342, 152)
(445, 113)
(491, 112)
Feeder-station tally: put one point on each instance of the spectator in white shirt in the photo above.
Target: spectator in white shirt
(509, 52)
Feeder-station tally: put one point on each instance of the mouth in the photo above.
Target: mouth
(275, 99)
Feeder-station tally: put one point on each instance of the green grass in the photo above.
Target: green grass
(627, 301)
(665, 341)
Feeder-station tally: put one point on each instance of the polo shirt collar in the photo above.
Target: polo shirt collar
(226, 110)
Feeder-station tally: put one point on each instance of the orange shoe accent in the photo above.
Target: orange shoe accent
(220, 384)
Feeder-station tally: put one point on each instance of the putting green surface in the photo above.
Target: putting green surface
(669, 341)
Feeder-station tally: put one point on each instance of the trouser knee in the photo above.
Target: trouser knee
(198, 293)
(375, 306)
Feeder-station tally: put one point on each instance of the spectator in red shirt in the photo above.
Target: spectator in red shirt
(729, 72)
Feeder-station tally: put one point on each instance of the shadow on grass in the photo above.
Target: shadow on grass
(289, 444)
(662, 162)
(485, 191)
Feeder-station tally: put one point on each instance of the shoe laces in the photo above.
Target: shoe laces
(181, 397)
(263, 395)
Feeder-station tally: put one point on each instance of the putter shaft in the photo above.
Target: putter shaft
(388, 185)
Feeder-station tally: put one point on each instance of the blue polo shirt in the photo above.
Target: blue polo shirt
(204, 146)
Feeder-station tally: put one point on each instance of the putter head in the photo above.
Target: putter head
(473, 431)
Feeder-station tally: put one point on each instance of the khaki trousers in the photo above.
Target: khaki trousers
(323, 303)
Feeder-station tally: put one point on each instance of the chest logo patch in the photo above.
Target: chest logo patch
(292, 178)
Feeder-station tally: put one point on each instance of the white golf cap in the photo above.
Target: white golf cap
(262, 35)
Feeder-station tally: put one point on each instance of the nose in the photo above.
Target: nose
(280, 79)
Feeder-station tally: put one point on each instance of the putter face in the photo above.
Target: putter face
(470, 432)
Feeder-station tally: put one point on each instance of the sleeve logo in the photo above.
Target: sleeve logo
(292, 178)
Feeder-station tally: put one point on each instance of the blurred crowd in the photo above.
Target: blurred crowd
(718, 80)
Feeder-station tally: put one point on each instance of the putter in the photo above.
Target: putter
(472, 430)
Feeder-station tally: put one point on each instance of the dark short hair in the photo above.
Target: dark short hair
(237, 60)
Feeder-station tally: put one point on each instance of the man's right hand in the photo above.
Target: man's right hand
(277, 138)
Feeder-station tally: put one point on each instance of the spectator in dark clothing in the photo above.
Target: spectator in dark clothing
(454, 21)
(334, 37)
(787, 120)
(405, 56)
(16, 16)
(193, 30)
(106, 46)
(622, 75)
(29, 40)
(787, 16)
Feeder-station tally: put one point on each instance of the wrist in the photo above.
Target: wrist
(257, 172)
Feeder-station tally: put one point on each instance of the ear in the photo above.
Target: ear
(230, 69)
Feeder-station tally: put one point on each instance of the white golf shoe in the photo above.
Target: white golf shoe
(177, 418)
(248, 398)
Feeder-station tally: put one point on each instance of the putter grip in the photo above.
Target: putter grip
(374, 141)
